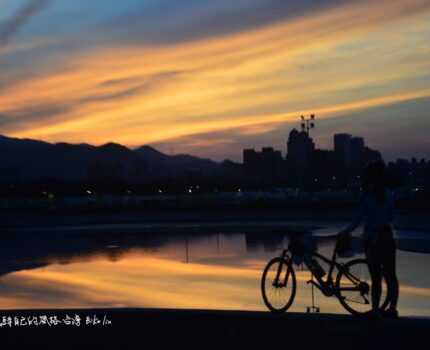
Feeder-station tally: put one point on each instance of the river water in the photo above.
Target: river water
(198, 270)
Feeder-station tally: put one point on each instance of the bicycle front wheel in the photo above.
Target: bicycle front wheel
(353, 284)
(278, 285)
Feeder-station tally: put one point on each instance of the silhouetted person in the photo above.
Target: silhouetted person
(376, 211)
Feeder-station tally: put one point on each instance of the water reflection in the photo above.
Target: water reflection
(217, 271)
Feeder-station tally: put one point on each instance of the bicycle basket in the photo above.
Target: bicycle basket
(297, 247)
(344, 245)
(350, 247)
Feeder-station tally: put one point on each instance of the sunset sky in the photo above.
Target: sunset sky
(213, 77)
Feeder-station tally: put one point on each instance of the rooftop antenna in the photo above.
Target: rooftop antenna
(307, 123)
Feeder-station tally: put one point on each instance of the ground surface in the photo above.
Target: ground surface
(153, 328)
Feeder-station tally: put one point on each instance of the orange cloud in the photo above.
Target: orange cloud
(346, 58)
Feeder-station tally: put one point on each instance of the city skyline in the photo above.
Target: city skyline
(211, 79)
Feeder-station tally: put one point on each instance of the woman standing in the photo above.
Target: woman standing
(376, 211)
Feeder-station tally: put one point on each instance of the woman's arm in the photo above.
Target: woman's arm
(392, 199)
(358, 218)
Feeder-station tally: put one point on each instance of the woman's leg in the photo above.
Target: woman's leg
(389, 267)
(376, 276)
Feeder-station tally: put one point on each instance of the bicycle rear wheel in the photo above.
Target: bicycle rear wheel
(353, 284)
(278, 285)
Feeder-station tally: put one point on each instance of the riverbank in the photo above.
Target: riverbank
(189, 221)
(140, 328)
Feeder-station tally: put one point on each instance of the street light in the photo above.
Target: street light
(308, 123)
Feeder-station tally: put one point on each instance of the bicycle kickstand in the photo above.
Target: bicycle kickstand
(313, 308)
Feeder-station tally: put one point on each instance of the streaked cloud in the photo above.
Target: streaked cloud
(19, 19)
(203, 73)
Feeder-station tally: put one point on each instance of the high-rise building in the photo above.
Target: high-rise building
(267, 163)
(350, 151)
(357, 151)
(342, 148)
(299, 148)
(249, 157)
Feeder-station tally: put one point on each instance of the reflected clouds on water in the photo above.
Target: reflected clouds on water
(209, 271)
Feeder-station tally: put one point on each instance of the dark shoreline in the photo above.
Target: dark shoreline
(208, 328)
(227, 220)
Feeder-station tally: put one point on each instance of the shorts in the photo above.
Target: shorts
(382, 250)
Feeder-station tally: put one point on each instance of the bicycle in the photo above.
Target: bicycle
(349, 287)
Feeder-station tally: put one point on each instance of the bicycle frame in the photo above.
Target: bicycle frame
(327, 286)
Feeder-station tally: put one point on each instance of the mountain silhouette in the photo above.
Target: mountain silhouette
(32, 160)
(175, 164)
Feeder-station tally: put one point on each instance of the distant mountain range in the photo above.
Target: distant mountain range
(32, 160)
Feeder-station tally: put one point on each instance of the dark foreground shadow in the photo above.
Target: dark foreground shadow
(137, 328)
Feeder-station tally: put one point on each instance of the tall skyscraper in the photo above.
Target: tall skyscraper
(299, 148)
(342, 148)
(266, 164)
(357, 151)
